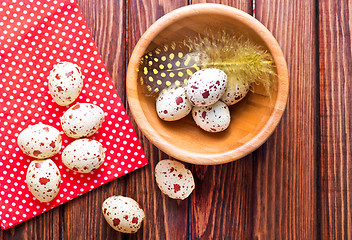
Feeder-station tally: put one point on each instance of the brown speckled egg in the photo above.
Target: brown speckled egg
(172, 104)
(205, 87)
(40, 141)
(123, 214)
(82, 120)
(43, 179)
(65, 83)
(174, 179)
(83, 155)
(233, 95)
(213, 118)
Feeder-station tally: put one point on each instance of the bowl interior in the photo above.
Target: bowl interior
(248, 117)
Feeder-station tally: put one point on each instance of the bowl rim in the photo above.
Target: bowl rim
(200, 158)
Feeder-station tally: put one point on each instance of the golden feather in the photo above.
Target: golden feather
(242, 60)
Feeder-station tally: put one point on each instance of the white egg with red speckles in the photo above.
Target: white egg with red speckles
(82, 120)
(172, 104)
(40, 141)
(83, 155)
(43, 179)
(174, 179)
(233, 95)
(123, 214)
(206, 86)
(213, 118)
(65, 83)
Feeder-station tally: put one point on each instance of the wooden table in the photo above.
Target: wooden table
(296, 186)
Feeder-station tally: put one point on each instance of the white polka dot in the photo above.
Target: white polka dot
(33, 42)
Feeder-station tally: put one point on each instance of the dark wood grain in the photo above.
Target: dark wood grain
(296, 186)
(82, 218)
(46, 226)
(107, 24)
(167, 218)
(221, 205)
(285, 205)
(335, 119)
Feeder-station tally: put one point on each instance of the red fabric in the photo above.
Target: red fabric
(35, 35)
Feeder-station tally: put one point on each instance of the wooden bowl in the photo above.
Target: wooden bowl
(253, 119)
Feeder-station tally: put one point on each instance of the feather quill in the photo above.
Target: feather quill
(243, 61)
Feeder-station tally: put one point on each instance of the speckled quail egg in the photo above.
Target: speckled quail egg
(234, 94)
(123, 214)
(172, 104)
(65, 83)
(83, 155)
(82, 120)
(174, 179)
(213, 118)
(43, 179)
(40, 141)
(206, 86)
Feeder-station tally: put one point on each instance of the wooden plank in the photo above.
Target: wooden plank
(165, 218)
(221, 205)
(285, 189)
(46, 226)
(82, 218)
(335, 119)
(106, 22)
(269, 194)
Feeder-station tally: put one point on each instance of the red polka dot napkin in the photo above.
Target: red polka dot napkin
(35, 35)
